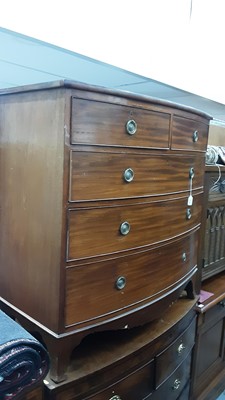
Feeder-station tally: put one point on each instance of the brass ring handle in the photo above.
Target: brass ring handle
(191, 173)
(131, 127)
(116, 397)
(176, 384)
(188, 213)
(128, 175)
(195, 136)
(121, 282)
(180, 348)
(184, 257)
(124, 228)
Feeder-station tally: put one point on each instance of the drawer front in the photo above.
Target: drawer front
(185, 394)
(106, 230)
(188, 134)
(215, 313)
(172, 388)
(100, 123)
(134, 387)
(174, 355)
(97, 175)
(116, 286)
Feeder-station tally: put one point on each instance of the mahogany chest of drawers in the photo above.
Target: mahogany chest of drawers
(101, 201)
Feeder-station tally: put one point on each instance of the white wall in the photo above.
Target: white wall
(158, 39)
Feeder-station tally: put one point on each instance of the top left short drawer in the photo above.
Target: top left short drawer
(101, 123)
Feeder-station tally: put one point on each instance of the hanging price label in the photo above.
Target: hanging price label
(190, 197)
(190, 200)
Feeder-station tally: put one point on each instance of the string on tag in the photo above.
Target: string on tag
(218, 179)
(190, 197)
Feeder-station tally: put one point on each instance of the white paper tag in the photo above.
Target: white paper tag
(190, 200)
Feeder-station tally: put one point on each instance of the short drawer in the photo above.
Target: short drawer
(173, 387)
(98, 175)
(103, 289)
(134, 387)
(188, 134)
(106, 230)
(101, 123)
(215, 313)
(174, 355)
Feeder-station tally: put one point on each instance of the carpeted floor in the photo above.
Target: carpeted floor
(221, 397)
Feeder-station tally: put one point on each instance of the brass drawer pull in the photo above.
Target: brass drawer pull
(188, 213)
(121, 282)
(124, 228)
(128, 175)
(116, 397)
(222, 303)
(191, 173)
(184, 257)
(131, 127)
(176, 384)
(195, 136)
(180, 349)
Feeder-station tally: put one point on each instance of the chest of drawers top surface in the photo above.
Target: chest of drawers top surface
(94, 182)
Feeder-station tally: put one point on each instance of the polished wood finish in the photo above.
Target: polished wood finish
(85, 168)
(167, 219)
(208, 372)
(170, 358)
(214, 246)
(144, 283)
(62, 249)
(186, 141)
(97, 122)
(209, 363)
(175, 384)
(123, 362)
(31, 179)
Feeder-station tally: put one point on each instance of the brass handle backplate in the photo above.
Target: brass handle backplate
(131, 127)
(180, 348)
(191, 173)
(121, 282)
(188, 213)
(116, 397)
(124, 228)
(176, 384)
(195, 136)
(184, 257)
(128, 175)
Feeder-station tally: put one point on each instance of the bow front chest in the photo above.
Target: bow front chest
(101, 201)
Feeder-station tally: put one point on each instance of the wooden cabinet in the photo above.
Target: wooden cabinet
(149, 362)
(209, 361)
(101, 202)
(214, 250)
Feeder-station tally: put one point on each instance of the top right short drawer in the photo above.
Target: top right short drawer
(189, 134)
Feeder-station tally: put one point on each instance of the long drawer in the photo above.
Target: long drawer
(97, 122)
(101, 176)
(97, 231)
(96, 290)
(134, 387)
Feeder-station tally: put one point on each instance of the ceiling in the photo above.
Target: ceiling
(24, 60)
